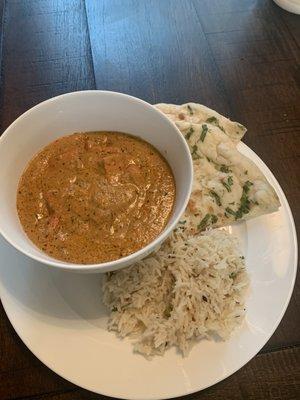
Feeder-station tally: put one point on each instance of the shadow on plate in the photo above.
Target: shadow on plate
(51, 293)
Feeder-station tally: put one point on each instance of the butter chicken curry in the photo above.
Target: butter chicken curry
(95, 197)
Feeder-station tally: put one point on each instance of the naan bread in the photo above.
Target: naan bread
(227, 185)
(198, 114)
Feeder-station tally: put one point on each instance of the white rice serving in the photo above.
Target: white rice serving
(192, 288)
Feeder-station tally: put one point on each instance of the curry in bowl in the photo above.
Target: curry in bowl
(95, 197)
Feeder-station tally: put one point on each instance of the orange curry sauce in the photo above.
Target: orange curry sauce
(95, 197)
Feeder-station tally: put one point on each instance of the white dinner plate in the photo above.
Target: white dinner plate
(60, 318)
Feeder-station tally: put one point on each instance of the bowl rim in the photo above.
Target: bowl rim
(115, 264)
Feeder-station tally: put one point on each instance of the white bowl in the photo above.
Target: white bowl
(292, 6)
(81, 112)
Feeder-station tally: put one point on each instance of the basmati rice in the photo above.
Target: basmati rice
(191, 288)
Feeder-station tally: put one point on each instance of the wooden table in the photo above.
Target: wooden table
(236, 56)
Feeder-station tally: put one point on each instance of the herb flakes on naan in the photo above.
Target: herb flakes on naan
(227, 186)
(199, 114)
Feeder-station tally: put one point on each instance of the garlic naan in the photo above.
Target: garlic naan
(227, 185)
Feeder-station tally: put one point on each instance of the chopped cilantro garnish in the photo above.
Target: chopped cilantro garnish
(214, 218)
(230, 211)
(205, 221)
(189, 133)
(194, 153)
(216, 197)
(182, 222)
(190, 109)
(246, 186)
(168, 310)
(204, 132)
(232, 275)
(228, 184)
(225, 169)
(212, 120)
(244, 202)
(244, 207)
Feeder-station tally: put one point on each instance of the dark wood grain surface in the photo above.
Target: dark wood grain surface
(240, 57)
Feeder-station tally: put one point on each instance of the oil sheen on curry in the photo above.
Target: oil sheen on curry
(95, 197)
